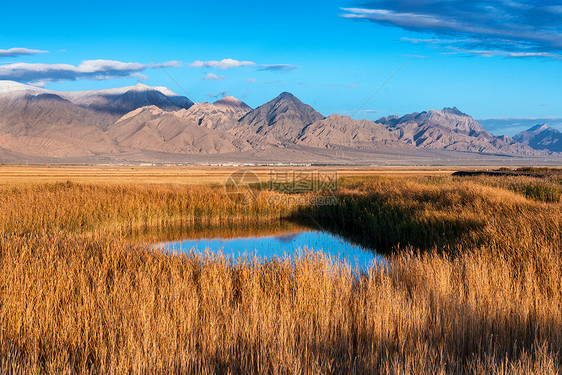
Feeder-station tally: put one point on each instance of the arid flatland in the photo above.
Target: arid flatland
(191, 175)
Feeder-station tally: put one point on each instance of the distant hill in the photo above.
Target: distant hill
(541, 137)
(451, 129)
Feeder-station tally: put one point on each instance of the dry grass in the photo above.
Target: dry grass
(75, 296)
(122, 209)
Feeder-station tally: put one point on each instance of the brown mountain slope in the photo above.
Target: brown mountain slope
(225, 115)
(219, 115)
(343, 131)
(103, 107)
(281, 120)
(541, 137)
(450, 129)
(152, 129)
(48, 125)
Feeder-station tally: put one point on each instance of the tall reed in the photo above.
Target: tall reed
(77, 297)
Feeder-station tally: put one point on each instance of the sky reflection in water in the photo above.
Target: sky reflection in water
(266, 247)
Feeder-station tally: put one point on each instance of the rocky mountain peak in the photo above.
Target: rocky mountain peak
(540, 127)
(283, 118)
(541, 137)
(231, 103)
(453, 111)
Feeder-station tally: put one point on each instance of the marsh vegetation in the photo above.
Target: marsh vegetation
(472, 284)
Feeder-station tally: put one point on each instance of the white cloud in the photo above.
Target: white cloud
(455, 47)
(89, 69)
(214, 77)
(251, 80)
(223, 64)
(230, 63)
(15, 52)
(139, 76)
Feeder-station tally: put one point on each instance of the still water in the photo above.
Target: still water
(267, 246)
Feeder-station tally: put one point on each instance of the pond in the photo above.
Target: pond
(277, 243)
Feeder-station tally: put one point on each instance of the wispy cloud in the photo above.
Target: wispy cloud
(231, 63)
(221, 95)
(364, 112)
(16, 52)
(90, 69)
(223, 64)
(278, 67)
(509, 28)
(213, 77)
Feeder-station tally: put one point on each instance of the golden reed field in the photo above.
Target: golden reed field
(472, 285)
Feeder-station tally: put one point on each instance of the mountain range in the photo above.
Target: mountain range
(153, 124)
(451, 129)
(541, 137)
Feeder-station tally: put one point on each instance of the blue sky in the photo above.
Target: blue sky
(491, 59)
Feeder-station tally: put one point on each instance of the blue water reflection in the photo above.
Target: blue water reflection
(267, 247)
